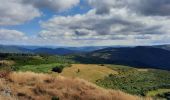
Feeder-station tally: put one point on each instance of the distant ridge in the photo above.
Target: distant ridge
(57, 51)
(13, 49)
(166, 47)
(140, 56)
(47, 50)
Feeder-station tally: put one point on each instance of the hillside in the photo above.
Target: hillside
(144, 57)
(86, 48)
(31, 86)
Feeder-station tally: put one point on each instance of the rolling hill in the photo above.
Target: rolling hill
(141, 56)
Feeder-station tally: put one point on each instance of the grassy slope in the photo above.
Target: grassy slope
(31, 86)
(90, 72)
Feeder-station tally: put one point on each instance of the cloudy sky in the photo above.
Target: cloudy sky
(84, 22)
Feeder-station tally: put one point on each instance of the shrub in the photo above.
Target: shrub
(102, 65)
(55, 98)
(58, 69)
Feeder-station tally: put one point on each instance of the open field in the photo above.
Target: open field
(6, 62)
(31, 86)
(90, 72)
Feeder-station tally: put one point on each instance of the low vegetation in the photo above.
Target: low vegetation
(134, 81)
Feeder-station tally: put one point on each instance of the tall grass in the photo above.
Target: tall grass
(31, 86)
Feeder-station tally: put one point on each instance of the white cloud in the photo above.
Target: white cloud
(11, 35)
(119, 26)
(144, 7)
(109, 22)
(14, 12)
(56, 5)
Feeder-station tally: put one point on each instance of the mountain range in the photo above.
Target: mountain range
(47, 50)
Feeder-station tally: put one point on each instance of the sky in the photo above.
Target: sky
(84, 22)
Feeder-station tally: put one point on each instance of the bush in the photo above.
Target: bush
(55, 98)
(58, 69)
(102, 65)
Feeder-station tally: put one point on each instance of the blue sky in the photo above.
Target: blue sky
(33, 27)
(84, 22)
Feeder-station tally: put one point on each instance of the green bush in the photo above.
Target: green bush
(58, 68)
(55, 98)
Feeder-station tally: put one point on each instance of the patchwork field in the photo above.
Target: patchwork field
(90, 72)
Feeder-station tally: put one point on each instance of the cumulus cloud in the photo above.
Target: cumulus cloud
(145, 7)
(121, 23)
(110, 26)
(11, 35)
(14, 12)
(109, 22)
(56, 5)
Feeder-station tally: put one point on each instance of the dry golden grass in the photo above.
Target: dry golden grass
(90, 72)
(7, 62)
(31, 86)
